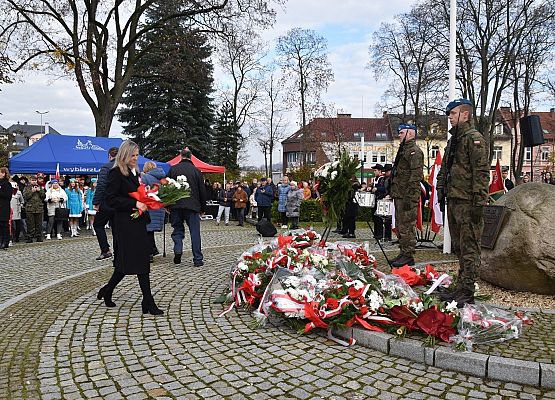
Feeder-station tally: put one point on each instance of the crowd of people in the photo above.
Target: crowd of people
(240, 200)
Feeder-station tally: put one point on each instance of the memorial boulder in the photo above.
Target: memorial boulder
(523, 257)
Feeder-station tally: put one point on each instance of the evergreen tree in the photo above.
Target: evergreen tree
(167, 102)
(227, 139)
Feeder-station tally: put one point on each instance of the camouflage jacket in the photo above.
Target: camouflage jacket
(469, 175)
(34, 201)
(406, 183)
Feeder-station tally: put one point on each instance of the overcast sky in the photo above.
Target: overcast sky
(347, 25)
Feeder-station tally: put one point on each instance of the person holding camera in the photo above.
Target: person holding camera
(56, 198)
(34, 197)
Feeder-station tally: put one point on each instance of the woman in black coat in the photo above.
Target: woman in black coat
(6, 191)
(132, 254)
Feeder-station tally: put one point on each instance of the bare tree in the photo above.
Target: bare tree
(271, 118)
(303, 57)
(95, 41)
(240, 54)
(410, 51)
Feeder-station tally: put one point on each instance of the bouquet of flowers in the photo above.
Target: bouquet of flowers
(334, 182)
(480, 324)
(167, 193)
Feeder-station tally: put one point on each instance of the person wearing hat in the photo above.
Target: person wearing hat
(295, 197)
(56, 197)
(264, 196)
(464, 182)
(405, 191)
(34, 197)
(381, 189)
(188, 210)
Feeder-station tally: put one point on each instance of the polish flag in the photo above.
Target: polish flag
(496, 185)
(58, 171)
(437, 215)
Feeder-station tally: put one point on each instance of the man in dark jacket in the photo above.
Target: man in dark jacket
(264, 196)
(188, 210)
(34, 197)
(104, 213)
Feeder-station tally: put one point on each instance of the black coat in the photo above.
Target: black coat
(197, 201)
(133, 246)
(5, 198)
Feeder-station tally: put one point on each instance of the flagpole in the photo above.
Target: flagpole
(452, 58)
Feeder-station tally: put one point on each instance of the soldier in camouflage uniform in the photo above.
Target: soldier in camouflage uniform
(405, 191)
(34, 197)
(465, 186)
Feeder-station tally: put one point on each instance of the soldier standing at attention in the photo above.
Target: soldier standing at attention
(405, 191)
(463, 180)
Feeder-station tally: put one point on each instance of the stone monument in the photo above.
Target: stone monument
(523, 258)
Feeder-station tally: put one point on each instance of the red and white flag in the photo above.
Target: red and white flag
(437, 215)
(497, 184)
(58, 171)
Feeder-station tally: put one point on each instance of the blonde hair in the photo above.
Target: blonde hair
(125, 153)
(149, 166)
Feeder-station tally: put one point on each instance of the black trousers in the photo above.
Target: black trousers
(102, 217)
(152, 241)
(284, 219)
(4, 234)
(17, 228)
(265, 212)
(349, 224)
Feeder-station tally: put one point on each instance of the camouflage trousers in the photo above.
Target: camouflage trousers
(405, 223)
(466, 236)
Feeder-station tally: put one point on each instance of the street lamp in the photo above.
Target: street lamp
(41, 125)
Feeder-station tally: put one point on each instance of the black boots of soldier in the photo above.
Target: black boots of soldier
(402, 260)
(461, 296)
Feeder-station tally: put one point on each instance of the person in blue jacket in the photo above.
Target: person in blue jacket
(282, 189)
(89, 198)
(150, 176)
(264, 196)
(75, 205)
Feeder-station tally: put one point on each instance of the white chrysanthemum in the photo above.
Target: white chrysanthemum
(242, 266)
(417, 307)
(292, 281)
(356, 284)
(182, 178)
(333, 175)
(374, 300)
(451, 306)
(334, 164)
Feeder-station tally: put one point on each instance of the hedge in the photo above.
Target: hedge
(311, 211)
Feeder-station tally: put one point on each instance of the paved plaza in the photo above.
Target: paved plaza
(57, 341)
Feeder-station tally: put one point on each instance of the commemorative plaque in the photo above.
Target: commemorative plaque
(493, 221)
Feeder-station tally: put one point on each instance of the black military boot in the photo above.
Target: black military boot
(402, 261)
(463, 297)
(396, 258)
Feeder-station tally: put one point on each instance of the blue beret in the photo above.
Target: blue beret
(456, 103)
(406, 126)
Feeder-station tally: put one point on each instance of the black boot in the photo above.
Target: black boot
(402, 261)
(103, 293)
(148, 305)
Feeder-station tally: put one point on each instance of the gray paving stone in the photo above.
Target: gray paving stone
(407, 348)
(374, 340)
(506, 369)
(547, 375)
(467, 362)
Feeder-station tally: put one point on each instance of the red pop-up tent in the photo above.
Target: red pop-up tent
(204, 167)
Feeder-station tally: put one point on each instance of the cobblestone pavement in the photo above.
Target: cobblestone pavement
(62, 343)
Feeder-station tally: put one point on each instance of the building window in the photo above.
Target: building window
(527, 153)
(292, 157)
(382, 157)
(357, 135)
(374, 158)
(497, 152)
(381, 135)
(435, 150)
(311, 157)
(545, 153)
(498, 129)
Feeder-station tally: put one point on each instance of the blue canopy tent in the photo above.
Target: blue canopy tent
(76, 155)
